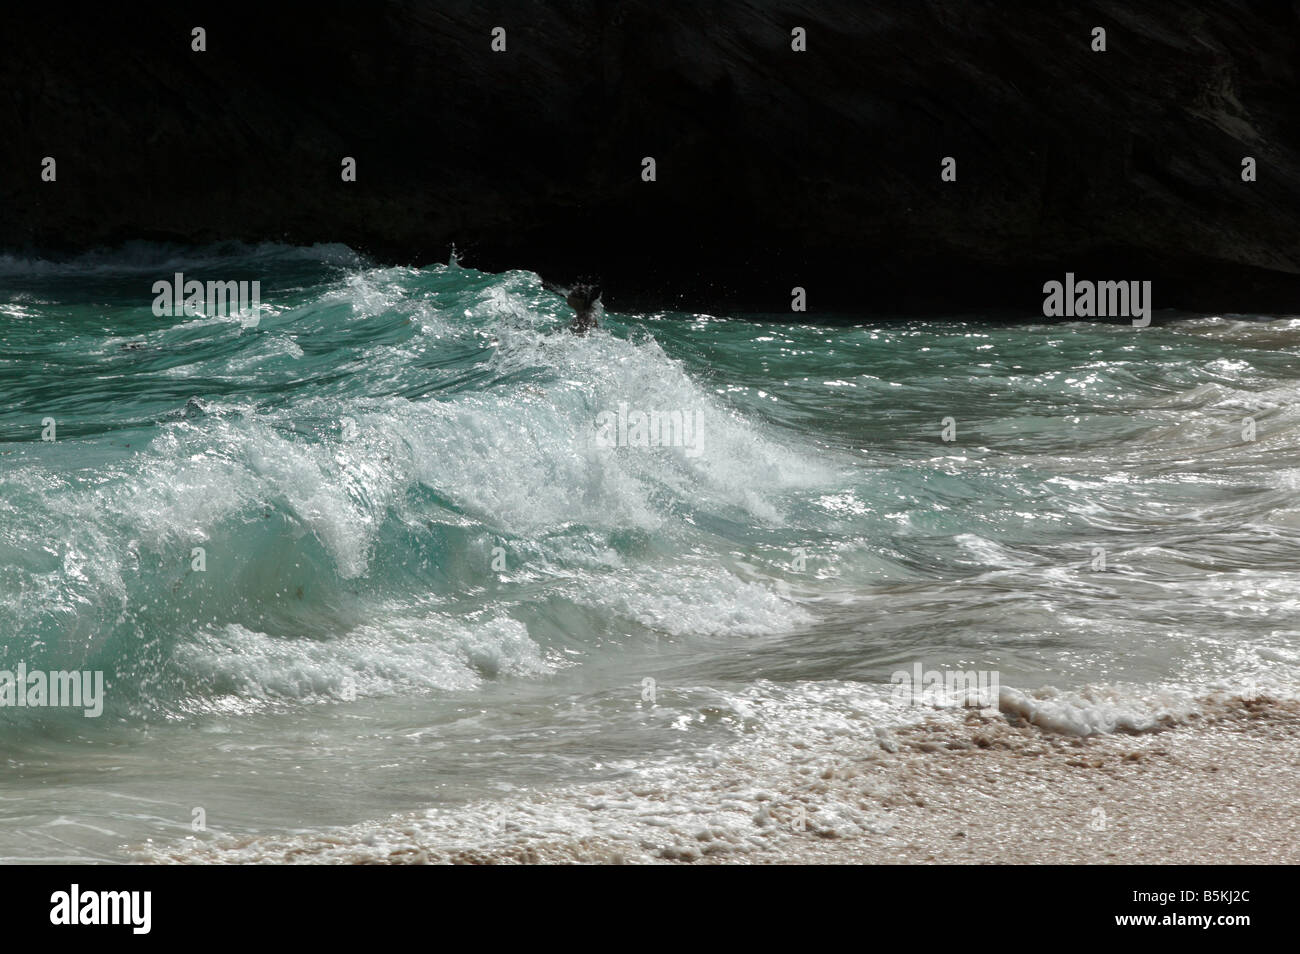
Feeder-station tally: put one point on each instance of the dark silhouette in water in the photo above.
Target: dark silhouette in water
(582, 299)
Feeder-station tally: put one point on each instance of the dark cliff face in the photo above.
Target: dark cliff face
(774, 168)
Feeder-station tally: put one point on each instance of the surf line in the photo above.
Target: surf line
(1089, 299)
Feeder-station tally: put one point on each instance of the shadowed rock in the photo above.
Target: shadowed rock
(774, 168)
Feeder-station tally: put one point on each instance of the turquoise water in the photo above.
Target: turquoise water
(426, 581)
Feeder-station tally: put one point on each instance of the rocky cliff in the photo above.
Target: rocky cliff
(774, 168)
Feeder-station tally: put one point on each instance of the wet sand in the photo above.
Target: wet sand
(1222, 787)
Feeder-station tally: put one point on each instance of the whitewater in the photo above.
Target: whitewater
(382, 556)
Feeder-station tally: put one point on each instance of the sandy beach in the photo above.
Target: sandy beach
(1220, 787)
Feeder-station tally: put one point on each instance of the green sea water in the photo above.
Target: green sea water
(377, 552)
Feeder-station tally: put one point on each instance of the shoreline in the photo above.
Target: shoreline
(1218, 788)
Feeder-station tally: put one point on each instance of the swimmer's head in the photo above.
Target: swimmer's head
(582, 298)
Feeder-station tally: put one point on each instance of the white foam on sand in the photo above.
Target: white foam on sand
(841, 778)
